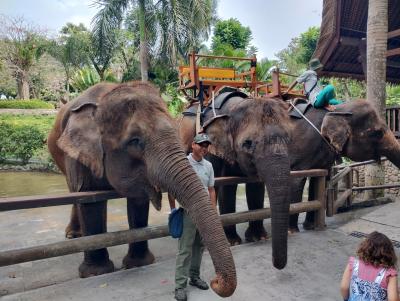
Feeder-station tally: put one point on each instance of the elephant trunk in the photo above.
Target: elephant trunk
(168, 167)
(275, 172)
(391, 148)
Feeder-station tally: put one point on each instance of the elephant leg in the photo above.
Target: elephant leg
(73, 229)
(308, 223)
(92, 218)
(296, 196)
(138, 253)
(255, 200)
(227, 204)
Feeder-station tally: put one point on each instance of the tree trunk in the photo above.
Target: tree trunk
(377, 28)
(144, 68)
(22, 85)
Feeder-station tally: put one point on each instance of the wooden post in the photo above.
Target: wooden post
(319, 193)
(349, 186)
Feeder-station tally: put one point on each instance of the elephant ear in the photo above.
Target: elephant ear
(217, 129)
(336, 129)
(81, 138)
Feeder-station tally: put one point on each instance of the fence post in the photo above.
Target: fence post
(320, 195)
(349, 185)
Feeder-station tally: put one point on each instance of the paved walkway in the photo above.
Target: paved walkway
(315, 265)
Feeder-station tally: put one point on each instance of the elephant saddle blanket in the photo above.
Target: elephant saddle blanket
(299, 110)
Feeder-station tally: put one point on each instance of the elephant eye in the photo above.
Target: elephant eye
(247, 144)
(136, 142)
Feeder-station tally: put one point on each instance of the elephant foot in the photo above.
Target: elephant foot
(131, 261)
(234, 240)
(293, 230)
(93, 269)
(71, 232)
(253, 234)
(308, 225)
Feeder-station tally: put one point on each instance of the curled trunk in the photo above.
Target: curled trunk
(168, 166)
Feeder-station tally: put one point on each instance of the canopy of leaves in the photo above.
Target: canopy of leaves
(231, 32)
(295, 57)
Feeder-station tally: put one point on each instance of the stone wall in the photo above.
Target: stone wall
(392, 175)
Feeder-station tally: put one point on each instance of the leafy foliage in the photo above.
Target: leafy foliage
(174, 101)
(393, 94)
(87, 77)
(231, 32)
(21, 45)
(25, 104)
(20, 142)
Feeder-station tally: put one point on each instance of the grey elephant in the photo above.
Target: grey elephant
(120, 136)
(250, 137)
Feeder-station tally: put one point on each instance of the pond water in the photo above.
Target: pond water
(31, 183)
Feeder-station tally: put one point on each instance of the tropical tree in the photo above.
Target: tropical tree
(71, 50)
(295, 57)
(21, 45)
(231, 32)
(178, 25)
(377, 28)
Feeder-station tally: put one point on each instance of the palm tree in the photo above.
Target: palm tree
(377, 28)
(178, 25)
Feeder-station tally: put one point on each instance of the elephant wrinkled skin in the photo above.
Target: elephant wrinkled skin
(120, 136)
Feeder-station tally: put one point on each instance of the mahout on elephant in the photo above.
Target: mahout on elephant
(250, 137)
(354, 130)
(121, 136)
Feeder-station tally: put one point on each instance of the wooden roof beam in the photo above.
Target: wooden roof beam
(394, 33)
(393, 52)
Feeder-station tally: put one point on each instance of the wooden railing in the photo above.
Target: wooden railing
(104, 240)
(343, 196)
(393, 119)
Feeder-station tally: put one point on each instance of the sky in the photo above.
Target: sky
(274, 23)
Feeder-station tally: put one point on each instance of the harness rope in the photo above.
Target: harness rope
(315, 128)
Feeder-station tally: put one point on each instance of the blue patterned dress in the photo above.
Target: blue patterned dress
(362, 290)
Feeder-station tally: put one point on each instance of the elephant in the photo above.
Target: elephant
(121, 137)
(250, 137)
(354, 130)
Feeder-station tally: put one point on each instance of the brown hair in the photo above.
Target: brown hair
(377, 249)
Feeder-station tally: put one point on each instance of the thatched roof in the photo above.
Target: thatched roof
(344, 25)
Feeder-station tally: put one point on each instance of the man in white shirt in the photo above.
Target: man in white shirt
(190, 248)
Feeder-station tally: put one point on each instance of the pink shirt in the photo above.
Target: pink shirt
(369, 272)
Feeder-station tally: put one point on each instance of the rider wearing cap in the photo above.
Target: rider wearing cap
(317, 96)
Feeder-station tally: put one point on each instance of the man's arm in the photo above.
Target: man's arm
(292, 85)
(213, 196)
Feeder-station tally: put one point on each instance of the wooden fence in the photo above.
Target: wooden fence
(343, 195)
(135, 235)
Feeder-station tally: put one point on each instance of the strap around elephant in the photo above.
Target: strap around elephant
(315, 128)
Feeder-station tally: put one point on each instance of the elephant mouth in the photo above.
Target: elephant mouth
(156, 197)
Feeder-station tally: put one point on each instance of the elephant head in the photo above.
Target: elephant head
(357, 131)
(255, 134)
(124, 134)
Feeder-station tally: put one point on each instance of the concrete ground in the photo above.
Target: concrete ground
(316, 260)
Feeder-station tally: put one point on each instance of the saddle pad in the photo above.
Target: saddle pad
(302, 107)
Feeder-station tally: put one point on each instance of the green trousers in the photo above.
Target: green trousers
(190, 252)
(326, 96)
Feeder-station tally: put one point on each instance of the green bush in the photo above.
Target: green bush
(25, 104)
(19, 142)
